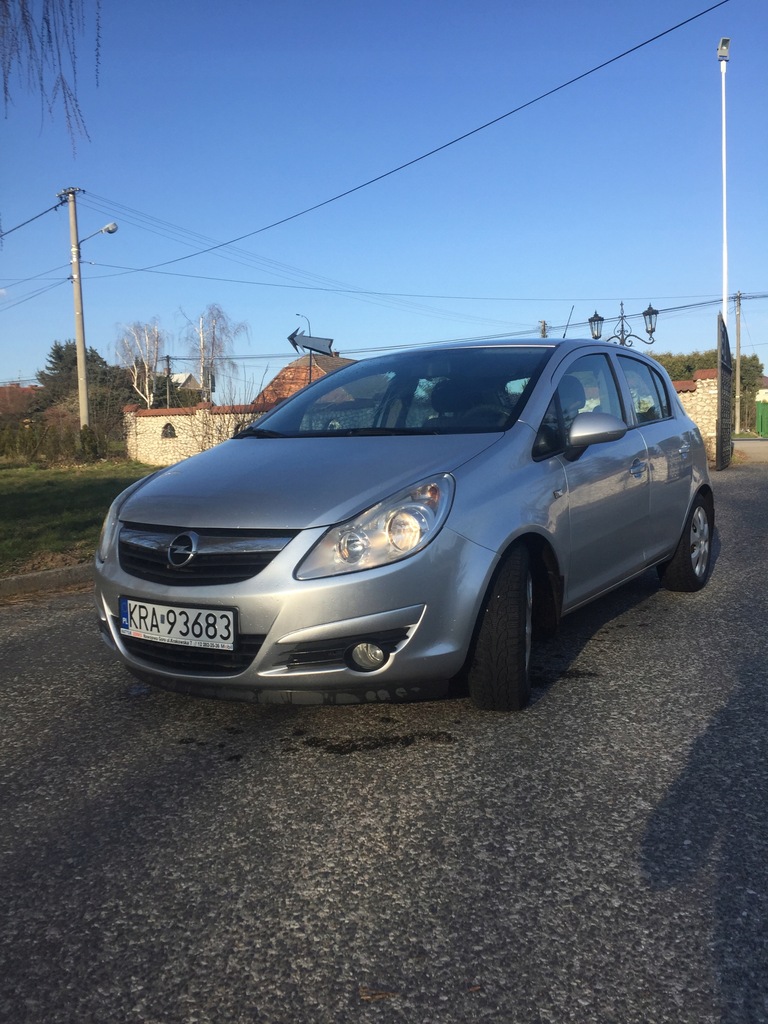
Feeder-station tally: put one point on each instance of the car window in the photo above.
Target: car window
(451, 391)
(588, 385)
(650, 399)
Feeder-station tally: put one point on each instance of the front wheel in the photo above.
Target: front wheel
(499, 665)
(688, 569)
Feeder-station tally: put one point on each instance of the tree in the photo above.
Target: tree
(683, 367)
(38, 42)
(109, 389)
(58, 381)
(139, 350)
(211, 340)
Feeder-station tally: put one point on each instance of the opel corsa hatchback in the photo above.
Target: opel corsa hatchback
(405, 521)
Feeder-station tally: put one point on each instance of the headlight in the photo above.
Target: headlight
(394, 529)
(112, 519)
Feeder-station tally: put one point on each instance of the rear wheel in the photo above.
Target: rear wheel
(688, 569)
(499, 667)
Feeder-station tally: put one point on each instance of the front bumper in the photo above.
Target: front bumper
(296, 638)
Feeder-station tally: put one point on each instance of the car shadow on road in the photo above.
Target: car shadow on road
(553, 659)
(711, 829)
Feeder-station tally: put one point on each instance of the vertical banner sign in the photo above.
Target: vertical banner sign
(724, 402)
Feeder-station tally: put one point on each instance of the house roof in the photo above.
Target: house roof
(296, 375)
(690, 385)
(15, 398)
(186, 381)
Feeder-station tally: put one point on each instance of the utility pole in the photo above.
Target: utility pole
(202, 362)
(737, 429)
(212, 362)
(167, 382)
(543, 325)
(82, 376)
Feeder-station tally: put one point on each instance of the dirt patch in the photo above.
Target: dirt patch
(77, 555)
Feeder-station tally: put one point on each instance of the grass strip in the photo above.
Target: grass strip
(52, 517)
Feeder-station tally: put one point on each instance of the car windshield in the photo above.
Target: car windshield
(448, 391)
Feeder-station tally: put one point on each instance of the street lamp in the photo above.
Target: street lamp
(108, 229)
(622, 333)
(723, 50)
(75, 243)
(722, 56)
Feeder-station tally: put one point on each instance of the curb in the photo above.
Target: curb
(46, 581)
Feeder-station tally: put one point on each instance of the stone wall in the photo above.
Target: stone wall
(699, 399)
(159, 437)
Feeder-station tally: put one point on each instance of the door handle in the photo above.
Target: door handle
(637, 468)
(684, 450)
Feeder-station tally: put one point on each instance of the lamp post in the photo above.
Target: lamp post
(75, 243)
(622, 333)
(722, 56)
(723, 50)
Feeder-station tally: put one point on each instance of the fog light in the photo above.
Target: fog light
(367, 657)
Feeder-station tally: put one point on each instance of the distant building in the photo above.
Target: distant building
(16, 399)
(185, 381)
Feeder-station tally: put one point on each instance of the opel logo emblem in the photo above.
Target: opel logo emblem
(182, 550)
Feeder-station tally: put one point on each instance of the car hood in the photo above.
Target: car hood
(293, 483)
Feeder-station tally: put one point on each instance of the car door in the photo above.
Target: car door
(607, 484)
(668, 443)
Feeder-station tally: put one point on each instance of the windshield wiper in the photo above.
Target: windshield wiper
(258, 432)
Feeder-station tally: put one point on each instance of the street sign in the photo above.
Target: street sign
(301, 340)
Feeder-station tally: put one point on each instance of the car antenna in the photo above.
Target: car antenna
(569, 320)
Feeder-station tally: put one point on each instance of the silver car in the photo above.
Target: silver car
(407, 521)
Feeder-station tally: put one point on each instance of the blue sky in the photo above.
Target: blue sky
(212, 122)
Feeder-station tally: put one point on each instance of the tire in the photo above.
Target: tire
(498, 674)
(688, 569)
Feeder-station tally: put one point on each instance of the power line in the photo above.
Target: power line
(33, 295)
(445, 145)
(281, 270)
(14, 282)
(407, 295)
(403, 300)
(24, 223)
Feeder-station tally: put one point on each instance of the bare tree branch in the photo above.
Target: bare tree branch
(38, 43)
(211, 340)
(139, 350)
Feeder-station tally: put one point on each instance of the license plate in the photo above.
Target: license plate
(175, 624)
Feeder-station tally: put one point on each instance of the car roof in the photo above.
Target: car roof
(563, 345)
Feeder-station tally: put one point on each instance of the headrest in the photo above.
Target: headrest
(450, 396)
(571, 391)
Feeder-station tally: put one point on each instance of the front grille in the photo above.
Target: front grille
(220, 557)
(178, 658)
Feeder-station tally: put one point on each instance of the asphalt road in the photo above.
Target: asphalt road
(602, 857)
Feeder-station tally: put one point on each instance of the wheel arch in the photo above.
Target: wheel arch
(706, 493)
(548, 582)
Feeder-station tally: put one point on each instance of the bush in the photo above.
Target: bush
(89, 445)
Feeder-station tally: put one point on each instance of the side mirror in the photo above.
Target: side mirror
(593, 428)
